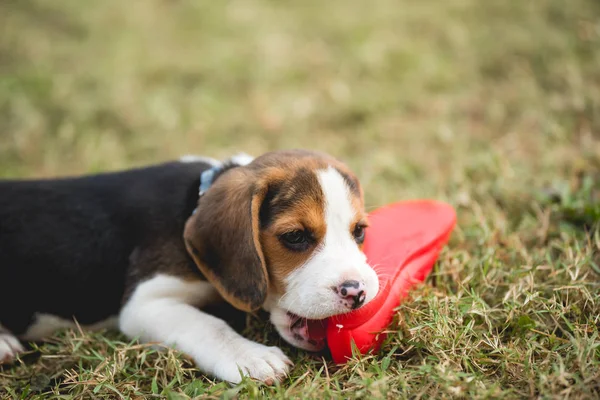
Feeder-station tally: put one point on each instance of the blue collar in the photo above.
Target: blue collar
(207, 178)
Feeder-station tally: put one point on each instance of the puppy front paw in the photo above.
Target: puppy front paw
(267, 364)
(9, 347)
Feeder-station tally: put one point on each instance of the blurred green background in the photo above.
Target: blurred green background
(491, 105)
(420, 98)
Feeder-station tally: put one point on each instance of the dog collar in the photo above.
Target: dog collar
(207, 178)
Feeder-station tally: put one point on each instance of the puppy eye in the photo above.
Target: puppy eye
(296, 240)
(359, 234)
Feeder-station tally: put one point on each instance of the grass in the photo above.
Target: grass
(492, 106)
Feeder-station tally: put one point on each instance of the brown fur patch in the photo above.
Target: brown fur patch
(223, 239)
(305, 213)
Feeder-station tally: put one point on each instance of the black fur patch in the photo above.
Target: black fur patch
(284, 195)
(75, 247)
(352, 183)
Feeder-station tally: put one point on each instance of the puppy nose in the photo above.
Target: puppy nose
(354, 291)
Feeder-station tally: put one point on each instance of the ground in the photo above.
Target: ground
(491, 106)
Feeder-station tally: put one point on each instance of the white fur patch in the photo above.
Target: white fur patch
(242, 159)
(310, 288)
(164, 309)
(9, 346)
(45, 325)
(191, 158)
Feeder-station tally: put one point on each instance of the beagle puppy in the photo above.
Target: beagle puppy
(145, 249)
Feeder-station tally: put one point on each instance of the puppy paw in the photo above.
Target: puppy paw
(263, 363)
(9, 347)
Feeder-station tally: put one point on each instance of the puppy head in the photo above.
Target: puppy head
(285, 232)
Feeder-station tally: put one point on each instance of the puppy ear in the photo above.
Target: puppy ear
(222, 237)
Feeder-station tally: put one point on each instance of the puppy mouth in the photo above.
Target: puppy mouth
(310, 333)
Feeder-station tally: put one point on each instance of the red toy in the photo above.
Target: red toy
(402, 243)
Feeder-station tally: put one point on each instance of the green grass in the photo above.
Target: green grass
(492, 106)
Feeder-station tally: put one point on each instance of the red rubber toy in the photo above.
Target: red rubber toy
(402, 242)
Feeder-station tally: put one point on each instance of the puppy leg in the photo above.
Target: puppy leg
(163, 309)
(9, 346)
